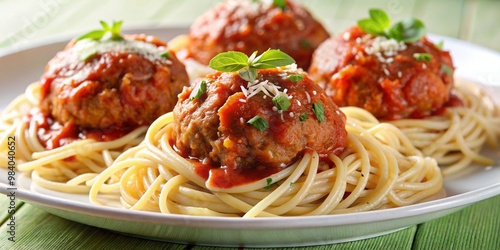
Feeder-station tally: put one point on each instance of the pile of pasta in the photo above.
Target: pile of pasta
(380, 169)
(386, 164)
(455, 139)
(66, 168)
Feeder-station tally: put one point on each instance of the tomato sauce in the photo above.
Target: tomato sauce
(52, 134)
(224, 177)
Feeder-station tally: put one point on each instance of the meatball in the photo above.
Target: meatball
(390, 79)
(249, 26)
(217, 127)
(112, 84)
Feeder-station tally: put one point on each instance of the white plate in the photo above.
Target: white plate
(481, 65)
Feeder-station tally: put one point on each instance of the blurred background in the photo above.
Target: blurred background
(28, 22)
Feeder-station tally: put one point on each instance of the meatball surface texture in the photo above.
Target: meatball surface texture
(390, 79)
(249, 26)
(112, 84)
(219, 127)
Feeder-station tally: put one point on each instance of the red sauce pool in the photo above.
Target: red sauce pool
(52, 134)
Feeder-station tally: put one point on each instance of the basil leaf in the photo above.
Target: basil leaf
(369, 26)
(295, 77)
(409, 30)
(270, 59)
(248, 75)
(230, 61)
(105, 25)
(259, 123)
(94, 35)
(106, 33)
(252, 57)
(440, 45)
(281, 101)
(115, 29)
(319, 111)
(88, 55)
(422, 57)
(198, 91)
(377, 24)
(280, 3)
(380, 18)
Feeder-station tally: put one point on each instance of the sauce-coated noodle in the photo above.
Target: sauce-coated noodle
(380, 169)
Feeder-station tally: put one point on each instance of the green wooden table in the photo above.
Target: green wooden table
(24, 23)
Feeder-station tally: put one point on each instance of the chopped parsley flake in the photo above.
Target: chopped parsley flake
(281, 101)
(198, 91)
(303, 117)
(259, 123)
(304, 43)
(269, 182)
(296, 77)
(319, 111)
(165, 54)
(446, 69)
(422, 57)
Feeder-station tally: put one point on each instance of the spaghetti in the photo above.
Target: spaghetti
(456, 137)
(65, 168)
(379, 169)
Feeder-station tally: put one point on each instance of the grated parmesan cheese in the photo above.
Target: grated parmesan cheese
(386, 71)
(308, 97)
(384, 49)
(346, 36)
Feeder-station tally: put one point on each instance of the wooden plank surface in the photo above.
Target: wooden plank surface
(475, 227)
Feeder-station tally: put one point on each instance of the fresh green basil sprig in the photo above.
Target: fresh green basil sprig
(280, 3)
(379, 23)
(108, 32)
(234, 61)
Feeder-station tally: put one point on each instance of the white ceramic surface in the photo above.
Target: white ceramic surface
(19, 69)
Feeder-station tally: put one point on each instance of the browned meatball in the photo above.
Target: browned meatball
(216, 129)
(249, 26)
(112, 84)
(390, 79)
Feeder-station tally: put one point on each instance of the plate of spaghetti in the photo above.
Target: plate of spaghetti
(274, 134)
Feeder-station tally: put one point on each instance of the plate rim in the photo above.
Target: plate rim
(437, 205)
